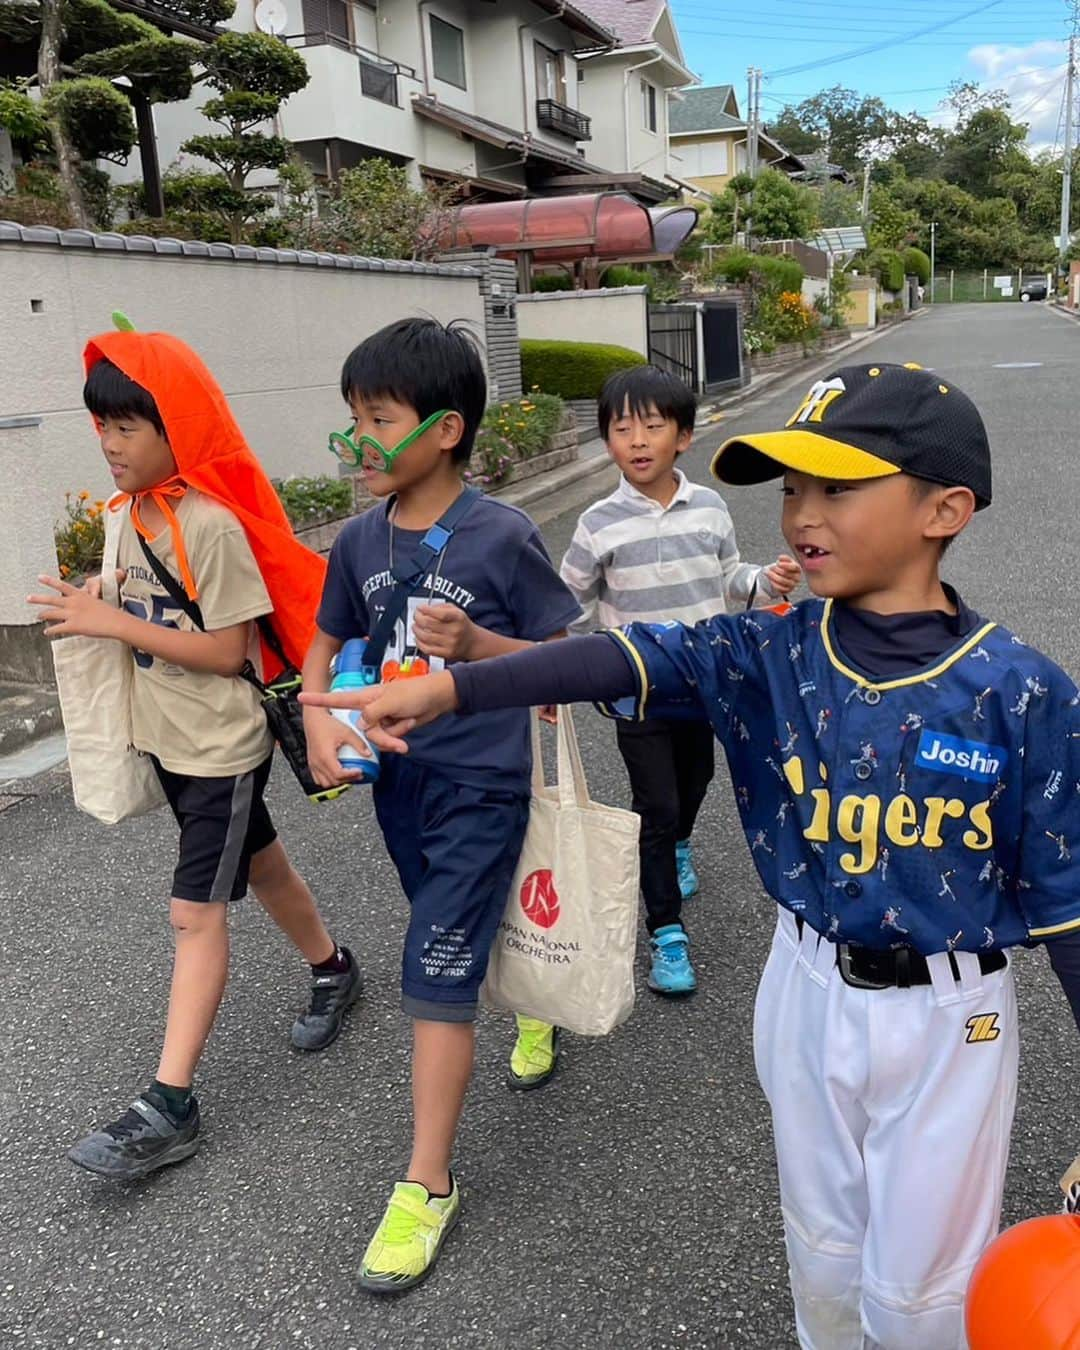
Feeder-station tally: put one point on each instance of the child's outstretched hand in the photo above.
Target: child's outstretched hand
(391, 711)
(783, 575)
(75, 611)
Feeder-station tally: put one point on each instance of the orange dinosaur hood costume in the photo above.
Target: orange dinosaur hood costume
(213, 457)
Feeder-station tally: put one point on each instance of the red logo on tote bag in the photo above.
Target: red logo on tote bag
(539, 899)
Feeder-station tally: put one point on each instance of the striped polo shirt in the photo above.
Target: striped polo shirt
(632, 560)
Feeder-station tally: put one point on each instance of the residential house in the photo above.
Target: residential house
(709, 140)
(628, 90)
(482, 93)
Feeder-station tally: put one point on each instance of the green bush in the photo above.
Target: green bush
(309, 500)
(620, 275)
(888, 266)
(917, 264)
(572, 369)
(552, 281)
(773, 272)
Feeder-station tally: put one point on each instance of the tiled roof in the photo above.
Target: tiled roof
(703, 110)
(632, 21)
(108, 242)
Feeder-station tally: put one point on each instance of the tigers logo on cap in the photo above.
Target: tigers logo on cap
(813, 406)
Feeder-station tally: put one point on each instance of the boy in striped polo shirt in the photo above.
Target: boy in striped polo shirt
(662, 548)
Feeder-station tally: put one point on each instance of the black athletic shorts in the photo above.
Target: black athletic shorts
(223, 822)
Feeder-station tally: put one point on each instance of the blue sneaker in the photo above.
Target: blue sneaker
(671, 971)
(684, 864)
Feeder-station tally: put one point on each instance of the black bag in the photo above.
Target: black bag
(280, 698)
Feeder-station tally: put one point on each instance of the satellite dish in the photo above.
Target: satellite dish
(271, 16)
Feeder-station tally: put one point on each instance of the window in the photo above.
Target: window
(707, 159)
(447, 52)
(326, 21)
(648, 105)
(378, 81)
(550, 73)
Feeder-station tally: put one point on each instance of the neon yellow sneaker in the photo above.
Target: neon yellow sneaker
(534, 1056)
(407, 1242)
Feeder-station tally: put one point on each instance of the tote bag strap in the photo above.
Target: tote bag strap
(573, 787)
(538, 781)
(110, 556)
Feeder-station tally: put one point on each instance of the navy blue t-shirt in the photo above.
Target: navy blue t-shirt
(497, 570)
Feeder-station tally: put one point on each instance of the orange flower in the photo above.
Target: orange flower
(84, 496)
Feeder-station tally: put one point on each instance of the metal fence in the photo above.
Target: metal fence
(992, 285)
(673, 341)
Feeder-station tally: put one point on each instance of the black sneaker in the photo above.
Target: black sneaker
(331, 997)
(142, 1140)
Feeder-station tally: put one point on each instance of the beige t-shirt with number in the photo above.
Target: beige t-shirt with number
(195, 722)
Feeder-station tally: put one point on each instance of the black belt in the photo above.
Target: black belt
(898, 967)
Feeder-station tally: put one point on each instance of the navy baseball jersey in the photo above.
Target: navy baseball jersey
(939, 810)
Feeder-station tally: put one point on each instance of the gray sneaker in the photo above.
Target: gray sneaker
(142, 1140)
(331, 997)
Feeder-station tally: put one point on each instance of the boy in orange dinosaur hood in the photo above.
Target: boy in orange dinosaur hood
(206, 512)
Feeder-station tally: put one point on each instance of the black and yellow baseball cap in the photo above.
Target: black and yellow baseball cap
(868, 422)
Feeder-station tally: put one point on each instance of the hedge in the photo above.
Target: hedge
(889, 266)
(776, 271)
(572, 369)
(917, 264)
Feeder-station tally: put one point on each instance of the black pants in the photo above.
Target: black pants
(670, 766)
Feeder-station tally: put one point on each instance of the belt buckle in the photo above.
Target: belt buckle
(847, 974)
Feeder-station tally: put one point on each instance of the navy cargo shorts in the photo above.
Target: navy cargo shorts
(455, 848)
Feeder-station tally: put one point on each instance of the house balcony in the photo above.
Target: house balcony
(554, 116)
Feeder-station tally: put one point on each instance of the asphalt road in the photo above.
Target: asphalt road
(633, 1203)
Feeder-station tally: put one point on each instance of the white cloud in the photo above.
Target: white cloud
(1033, 77)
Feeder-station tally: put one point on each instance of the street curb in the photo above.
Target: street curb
(27, 715)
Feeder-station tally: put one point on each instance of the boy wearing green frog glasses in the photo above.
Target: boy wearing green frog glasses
(453, 813)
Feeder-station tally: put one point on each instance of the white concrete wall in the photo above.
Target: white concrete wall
(26, 539)
(611, 95)
(274, 334)
(619, 316)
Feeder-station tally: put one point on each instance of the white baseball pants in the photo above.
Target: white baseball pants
(892, 1110)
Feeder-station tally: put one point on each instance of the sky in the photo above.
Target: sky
(907, 54)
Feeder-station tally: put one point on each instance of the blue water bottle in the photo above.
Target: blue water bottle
(352, 672)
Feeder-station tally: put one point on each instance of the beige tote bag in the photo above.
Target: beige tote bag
(111, 780)
(564, 951)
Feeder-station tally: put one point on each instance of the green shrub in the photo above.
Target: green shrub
(620, 275)
(779, 273)
(917, 264)
(573, 369)
(309, 500)
(773, 272)
(552, 281)
(888, 266)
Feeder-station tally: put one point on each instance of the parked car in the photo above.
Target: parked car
(1033, 290)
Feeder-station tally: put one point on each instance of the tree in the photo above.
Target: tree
(95, 62)
(838, 205)
(839, 121)
(891, 223)
(376, 213)
(254, 74)
(781, 209)
(984, 148)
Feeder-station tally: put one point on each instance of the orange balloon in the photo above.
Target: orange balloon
(1025, 1292)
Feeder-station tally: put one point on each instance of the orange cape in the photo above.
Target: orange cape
(213, 457)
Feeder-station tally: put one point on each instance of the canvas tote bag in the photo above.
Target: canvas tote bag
(564, 951)
(111, 780)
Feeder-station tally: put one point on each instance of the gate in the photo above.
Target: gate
(673, 342)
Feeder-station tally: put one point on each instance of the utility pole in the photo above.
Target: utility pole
(933, 256)
(866, 192)
(751, 148)
(1066, 177)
